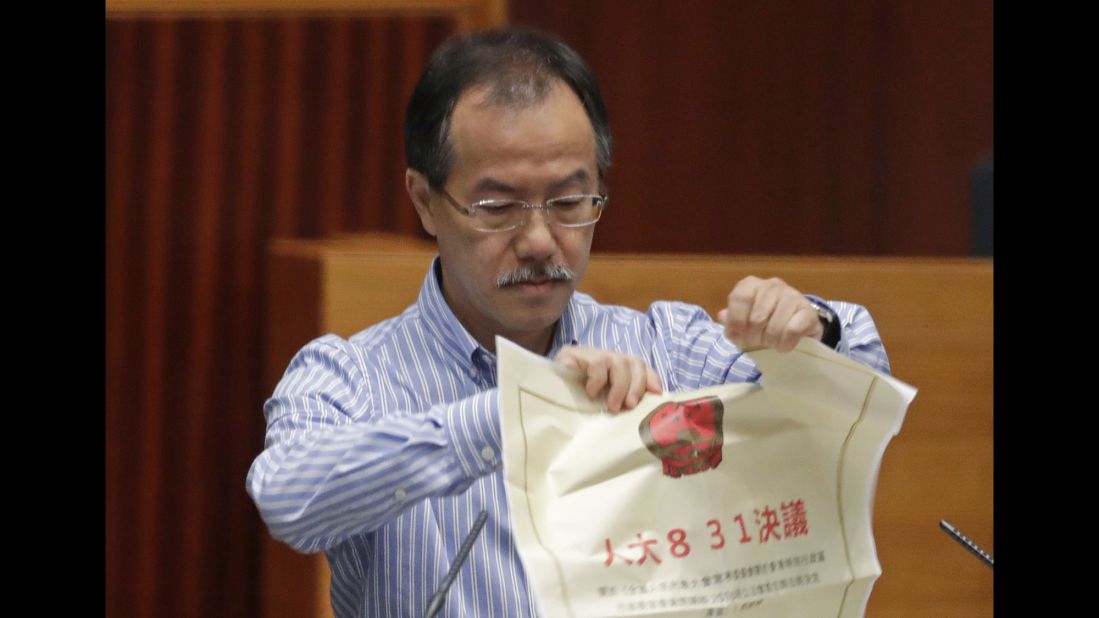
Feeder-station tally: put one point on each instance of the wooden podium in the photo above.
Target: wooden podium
(934, 315)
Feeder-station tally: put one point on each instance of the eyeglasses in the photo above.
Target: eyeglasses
(503, 215)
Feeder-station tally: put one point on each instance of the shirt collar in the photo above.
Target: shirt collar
(565, 331)
(440, 319)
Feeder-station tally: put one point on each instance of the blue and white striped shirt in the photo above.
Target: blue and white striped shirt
(382, 449)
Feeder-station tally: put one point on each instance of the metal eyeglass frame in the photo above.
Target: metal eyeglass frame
(470, 211)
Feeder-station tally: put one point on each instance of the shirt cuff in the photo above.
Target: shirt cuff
(474, 427)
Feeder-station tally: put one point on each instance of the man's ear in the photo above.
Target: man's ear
(419, 191)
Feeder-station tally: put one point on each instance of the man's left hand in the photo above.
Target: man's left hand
(769, 313)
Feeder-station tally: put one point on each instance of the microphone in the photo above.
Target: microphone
(435, 605)
(966, 543)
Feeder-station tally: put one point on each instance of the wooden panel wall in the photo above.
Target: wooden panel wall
(848, 127)
(221, 133)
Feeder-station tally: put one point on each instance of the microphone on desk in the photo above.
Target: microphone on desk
(435, 605)
(966, 543)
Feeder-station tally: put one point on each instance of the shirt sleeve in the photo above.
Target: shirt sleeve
(859, 337)
(333, 468)
(693, 347)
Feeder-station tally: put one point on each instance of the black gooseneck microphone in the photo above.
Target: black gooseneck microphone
(966, 543)
(435, 605)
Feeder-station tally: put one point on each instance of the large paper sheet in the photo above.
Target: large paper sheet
(741, 499)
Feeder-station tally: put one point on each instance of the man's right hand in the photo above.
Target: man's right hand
(625, 378)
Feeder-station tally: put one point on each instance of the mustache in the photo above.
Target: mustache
(542, 271)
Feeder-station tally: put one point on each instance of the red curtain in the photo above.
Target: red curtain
(222, 134)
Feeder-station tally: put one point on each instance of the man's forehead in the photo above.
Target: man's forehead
(557, 122)
(476, 96)
(510, 95)
(517, 96)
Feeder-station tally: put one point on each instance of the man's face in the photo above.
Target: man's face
(532, 153)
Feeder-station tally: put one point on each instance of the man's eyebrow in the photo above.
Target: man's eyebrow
(579, 176)
(494, 186)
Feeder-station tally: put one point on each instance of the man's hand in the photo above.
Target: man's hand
(769, 313)
(626, 378)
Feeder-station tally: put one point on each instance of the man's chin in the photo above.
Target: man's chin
(536, 306)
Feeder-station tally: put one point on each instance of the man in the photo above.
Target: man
(382, 449)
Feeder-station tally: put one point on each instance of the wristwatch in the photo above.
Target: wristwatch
(831, 323)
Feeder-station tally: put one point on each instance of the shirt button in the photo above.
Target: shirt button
(488, 454)
(399, 495)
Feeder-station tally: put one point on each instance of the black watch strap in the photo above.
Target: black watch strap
(831, 323)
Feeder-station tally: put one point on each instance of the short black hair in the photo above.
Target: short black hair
(519, 65)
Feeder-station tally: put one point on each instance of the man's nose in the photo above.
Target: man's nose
(536, 238)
